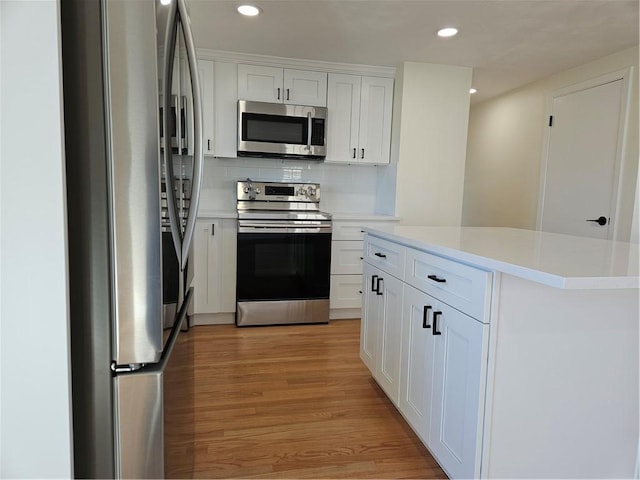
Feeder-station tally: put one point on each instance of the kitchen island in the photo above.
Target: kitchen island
(511, 353)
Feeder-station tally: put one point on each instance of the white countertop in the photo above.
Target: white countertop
(561, 261)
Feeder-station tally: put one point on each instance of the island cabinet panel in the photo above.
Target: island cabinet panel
(569, 359)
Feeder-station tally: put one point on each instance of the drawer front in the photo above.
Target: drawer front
(346, 257)
(387, 256)
(347, 230)
(345, 291)
(463, 287)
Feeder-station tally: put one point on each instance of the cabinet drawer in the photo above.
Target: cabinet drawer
(461, 286)
(387, 256)
(346, 257)
(345, 291)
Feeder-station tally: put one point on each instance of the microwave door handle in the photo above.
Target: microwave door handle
(198, 155)
(309, 131)
(170, 38)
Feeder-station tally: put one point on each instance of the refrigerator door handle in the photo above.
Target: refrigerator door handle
(175, 331)
(198, 158)
(170, 38)
(158, 367)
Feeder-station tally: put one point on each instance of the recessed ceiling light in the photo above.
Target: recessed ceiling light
(472, 91)
(447, 32)
(248, 10)
(165, 2)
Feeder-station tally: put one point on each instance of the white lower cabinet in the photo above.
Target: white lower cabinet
(417, 361)
(459, 367)
(346, 265)
(213, 265)
(381, 337)
(428, 357)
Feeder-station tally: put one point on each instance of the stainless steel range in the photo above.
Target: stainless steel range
(284, 254)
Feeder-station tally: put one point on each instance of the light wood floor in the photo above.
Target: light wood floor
(290, 402)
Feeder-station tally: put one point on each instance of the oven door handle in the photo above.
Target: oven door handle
(261, 228)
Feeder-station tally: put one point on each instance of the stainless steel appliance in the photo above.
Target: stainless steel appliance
(281, 130)
(124, 363)
(284, 254)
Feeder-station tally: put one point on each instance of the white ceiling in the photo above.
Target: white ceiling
(509, 43)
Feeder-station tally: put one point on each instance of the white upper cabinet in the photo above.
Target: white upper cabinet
(359, 124)
(205, 69)
(278, 85)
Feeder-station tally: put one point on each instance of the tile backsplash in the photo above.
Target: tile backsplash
(345, 188)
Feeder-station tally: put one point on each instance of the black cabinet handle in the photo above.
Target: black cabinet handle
(378, 291)
(354, 153)
(287, 94)
(278, 93)
(600, 220)
(425, 316)
(373, 283)
(435, 278)
(381, 255)
(362, 156)
(209, 144)
(435, 325)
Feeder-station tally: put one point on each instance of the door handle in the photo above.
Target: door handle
(435, 325)
(381, 255)
(435, 278)
(425, 316)
(380, 279)
(373, 283)
(599, 220)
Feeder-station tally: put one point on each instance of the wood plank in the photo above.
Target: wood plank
(289, 402)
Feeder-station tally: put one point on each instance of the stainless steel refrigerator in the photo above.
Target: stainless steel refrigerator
(133, 122)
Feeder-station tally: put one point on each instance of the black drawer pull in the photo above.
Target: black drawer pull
(425, 316)
(381, 255)
(435, 325)
(435, 278)
(373, 283)
(378, 291)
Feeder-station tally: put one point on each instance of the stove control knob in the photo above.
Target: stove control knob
(257, 190)
(312, 192)
(246, 189)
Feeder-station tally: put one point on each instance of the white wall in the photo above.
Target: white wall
(505, 148)
(429, 143)
(35, 399)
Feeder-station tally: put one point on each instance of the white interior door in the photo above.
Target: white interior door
(581, 170)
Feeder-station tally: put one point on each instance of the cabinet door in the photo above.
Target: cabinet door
(205, 69)
(260, 84)
(459, 371)
(416, 379)
(390, 330)
(226, 109)
(376, 102)
(226, 276)
(343, 105)
(302, 87)
(206, 265)
(369, 324)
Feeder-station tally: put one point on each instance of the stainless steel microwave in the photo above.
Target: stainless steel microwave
(281, 131)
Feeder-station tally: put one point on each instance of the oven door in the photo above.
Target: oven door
(283, 265)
